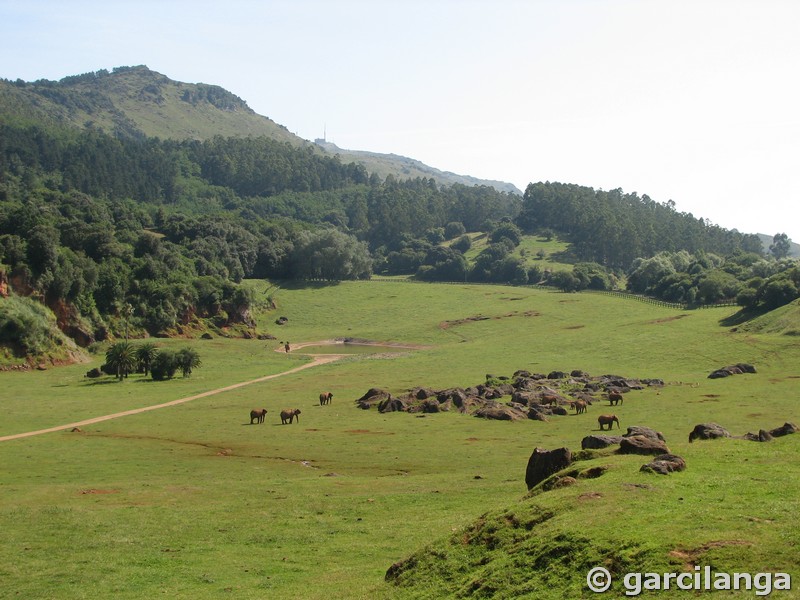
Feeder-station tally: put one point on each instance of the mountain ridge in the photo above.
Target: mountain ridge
(138, 102)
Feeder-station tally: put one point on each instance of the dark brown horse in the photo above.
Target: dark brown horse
(258, 414)
(608, 420)
(548, 399)
(289, 414)
(325, 398)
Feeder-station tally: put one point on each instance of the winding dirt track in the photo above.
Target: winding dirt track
(317, 360)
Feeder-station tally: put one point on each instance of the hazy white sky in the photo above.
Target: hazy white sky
(690, 100)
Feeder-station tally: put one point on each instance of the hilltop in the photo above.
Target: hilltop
(137, 102)
(404, 167)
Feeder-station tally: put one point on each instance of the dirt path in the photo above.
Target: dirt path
(317, 360)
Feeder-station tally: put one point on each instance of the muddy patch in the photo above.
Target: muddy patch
(590, 496)
(690, 557)
(476, 318)
(452, 323)
(667, 319)
(369, 432)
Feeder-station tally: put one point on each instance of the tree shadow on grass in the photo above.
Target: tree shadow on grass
(300, 284)
(742, 316)
(104, 381)
(564, 256)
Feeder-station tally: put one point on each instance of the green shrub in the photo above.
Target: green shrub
(164, 365)
(27, 327)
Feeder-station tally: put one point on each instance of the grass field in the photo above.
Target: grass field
(193, 502)
(553, 251)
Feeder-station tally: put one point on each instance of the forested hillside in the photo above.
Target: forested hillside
(137, 102)
(92, 223)
(114, 229)
(662, 253)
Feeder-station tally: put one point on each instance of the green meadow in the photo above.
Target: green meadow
(191, 501)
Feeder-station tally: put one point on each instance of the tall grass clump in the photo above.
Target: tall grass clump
(28, 328)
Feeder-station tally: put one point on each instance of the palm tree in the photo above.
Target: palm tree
(145, 354)
(188, 359)
(121, 358)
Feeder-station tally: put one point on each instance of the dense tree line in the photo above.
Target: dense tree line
(613, 228)
(92, 223)
(750, 279)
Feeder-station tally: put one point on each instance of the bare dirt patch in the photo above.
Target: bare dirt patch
(590, 496)
(692, 556)
(450, 323)
(667, 319)
(475, 318)
(369, 432)
(94, 491)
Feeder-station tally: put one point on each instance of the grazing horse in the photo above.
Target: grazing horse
(258, 414)
(325, 398)
(579, 406)
(289, 414)
(614, 398)
(548, 399)
(608, 420)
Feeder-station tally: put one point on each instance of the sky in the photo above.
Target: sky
(694, 101)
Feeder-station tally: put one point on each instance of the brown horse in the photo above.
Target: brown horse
(548, 399)
(614, 398)
(325, 398)
(608, 420)
(258, 414)
(579, 406)
(289, 414)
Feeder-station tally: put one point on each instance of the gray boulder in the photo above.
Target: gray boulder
(785, 429)
(639, 444)
(543, 463)
(644, 432)
(597, 442)
(664, 464)
(708, 431)
(500, 412)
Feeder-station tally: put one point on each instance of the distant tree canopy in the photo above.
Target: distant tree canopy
(614, 229)
(780, 246)
(748, 278)
(99, 222)
(171, 227)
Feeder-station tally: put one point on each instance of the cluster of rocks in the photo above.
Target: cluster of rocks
(736, 369)
(549, 466)
(23, 367)
(544, 464)
(711, 431)
(530, 395)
